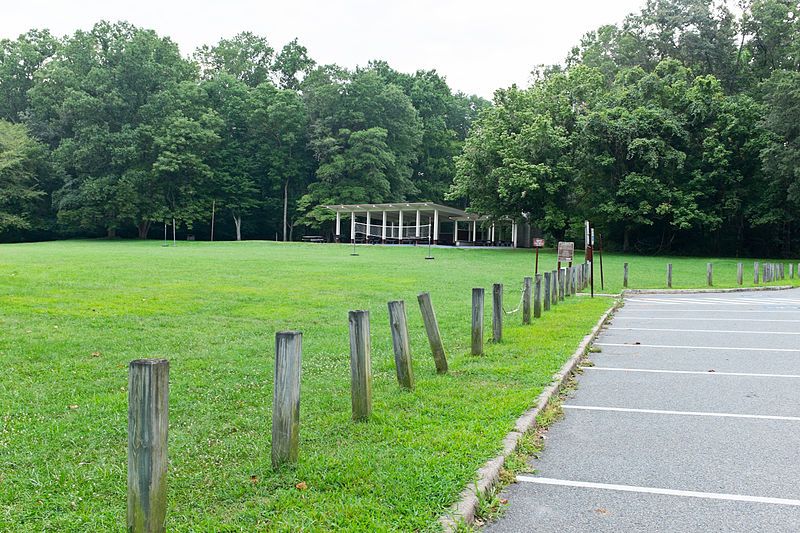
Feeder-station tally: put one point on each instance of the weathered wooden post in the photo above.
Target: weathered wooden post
(554, 293)
(526, 300)
(755, 272)
(562, 279)
(791, 270)
(574, 280)
(783, 271)
(546, 292)
(286, 397)
(537, 297)
(402, 350)
(148, 420)
(477, 320)
(739, 273)
(360, 365)
(709, 274)
(497, 312)
(625, 275)
(669, 275)
(432, 329)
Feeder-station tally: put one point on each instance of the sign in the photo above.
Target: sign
(566, 250)
(586, 237)
(538, 243)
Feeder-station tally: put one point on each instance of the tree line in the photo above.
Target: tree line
(676, 130)
(112, 131)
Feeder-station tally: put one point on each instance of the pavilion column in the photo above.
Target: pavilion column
(455, 232)
(417, 232)
(338, 227)
(383, 228)
(369, 225)
(514, 229)
(491, 235)
(474, 231)
(435, 226)
(352, 226)
(400, 226)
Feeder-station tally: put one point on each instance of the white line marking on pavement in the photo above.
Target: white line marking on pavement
(698, 347)
(704, 318)
(653, 490)
(704, 373)
(663, 310)
(680, 413)
(709, 331)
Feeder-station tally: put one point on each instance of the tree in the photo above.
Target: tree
(247, 57)
(20, 59)
(23, 161)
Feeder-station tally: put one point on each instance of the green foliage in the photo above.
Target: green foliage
(23, 161)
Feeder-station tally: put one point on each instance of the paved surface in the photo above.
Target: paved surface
(689, 420)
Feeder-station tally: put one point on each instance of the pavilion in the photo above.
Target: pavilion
(417, 222)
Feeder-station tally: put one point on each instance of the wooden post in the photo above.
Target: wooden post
(402, 350)
(739, 273)
(432, 329)
(148, 420)
(497, 312)
(573, 280)
(669, 275)
(791, 270)
(562, 277)
(286, 397)
(710, 274)
(537, 297)
(526, 300)
(554, 282)
(546, 294)
(477, 320)
(625, 275)
(755, 273)
(360, 365)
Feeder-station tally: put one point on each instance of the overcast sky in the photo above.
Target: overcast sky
(478, 45)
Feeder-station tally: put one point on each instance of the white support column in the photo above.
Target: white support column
(383, 228)
(400, 225)
(474, 230)
(352, 226)
(435, 226)
(491, 235)
(369, 226)
(455, 232)
(338, 226)
(417, 232)
(514, 229)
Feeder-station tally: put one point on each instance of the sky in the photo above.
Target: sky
(478, 45)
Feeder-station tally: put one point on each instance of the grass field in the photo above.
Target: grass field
(75, 313)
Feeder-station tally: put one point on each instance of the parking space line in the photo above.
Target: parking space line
(742, 311)
(679, 413)
(654, 490)
(729, 348)
(705, 319)
(708, 331)
(698, 372)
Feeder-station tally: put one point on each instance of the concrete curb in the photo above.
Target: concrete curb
(489, 474)
(626, 292)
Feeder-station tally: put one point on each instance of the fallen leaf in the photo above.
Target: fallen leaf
(73, 407)
(503, 501)
(712, 370)
(95, 354)
(301, 486)
(601, 510)
(253, 479)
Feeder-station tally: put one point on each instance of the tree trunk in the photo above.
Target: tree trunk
(285, 210)
(144, 228)
(237, 220)
(626, 240)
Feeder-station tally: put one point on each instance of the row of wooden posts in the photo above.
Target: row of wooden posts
(148, 383)
(771, 272)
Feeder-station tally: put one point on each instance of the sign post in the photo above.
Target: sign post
(537, 243)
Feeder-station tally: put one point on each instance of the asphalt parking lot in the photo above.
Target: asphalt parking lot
(688, 420)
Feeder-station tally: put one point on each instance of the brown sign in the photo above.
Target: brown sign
(538, 243)
(566, 251)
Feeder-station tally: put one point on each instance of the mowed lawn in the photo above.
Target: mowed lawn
(73, 314)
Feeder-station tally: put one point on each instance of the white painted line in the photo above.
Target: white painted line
(698, 372)
(654, 490)
(698, 347)
(662, 310)
(618, 317)
(679, 413)
(708, 331)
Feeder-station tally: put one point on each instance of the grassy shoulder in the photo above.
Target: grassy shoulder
(75, 313)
